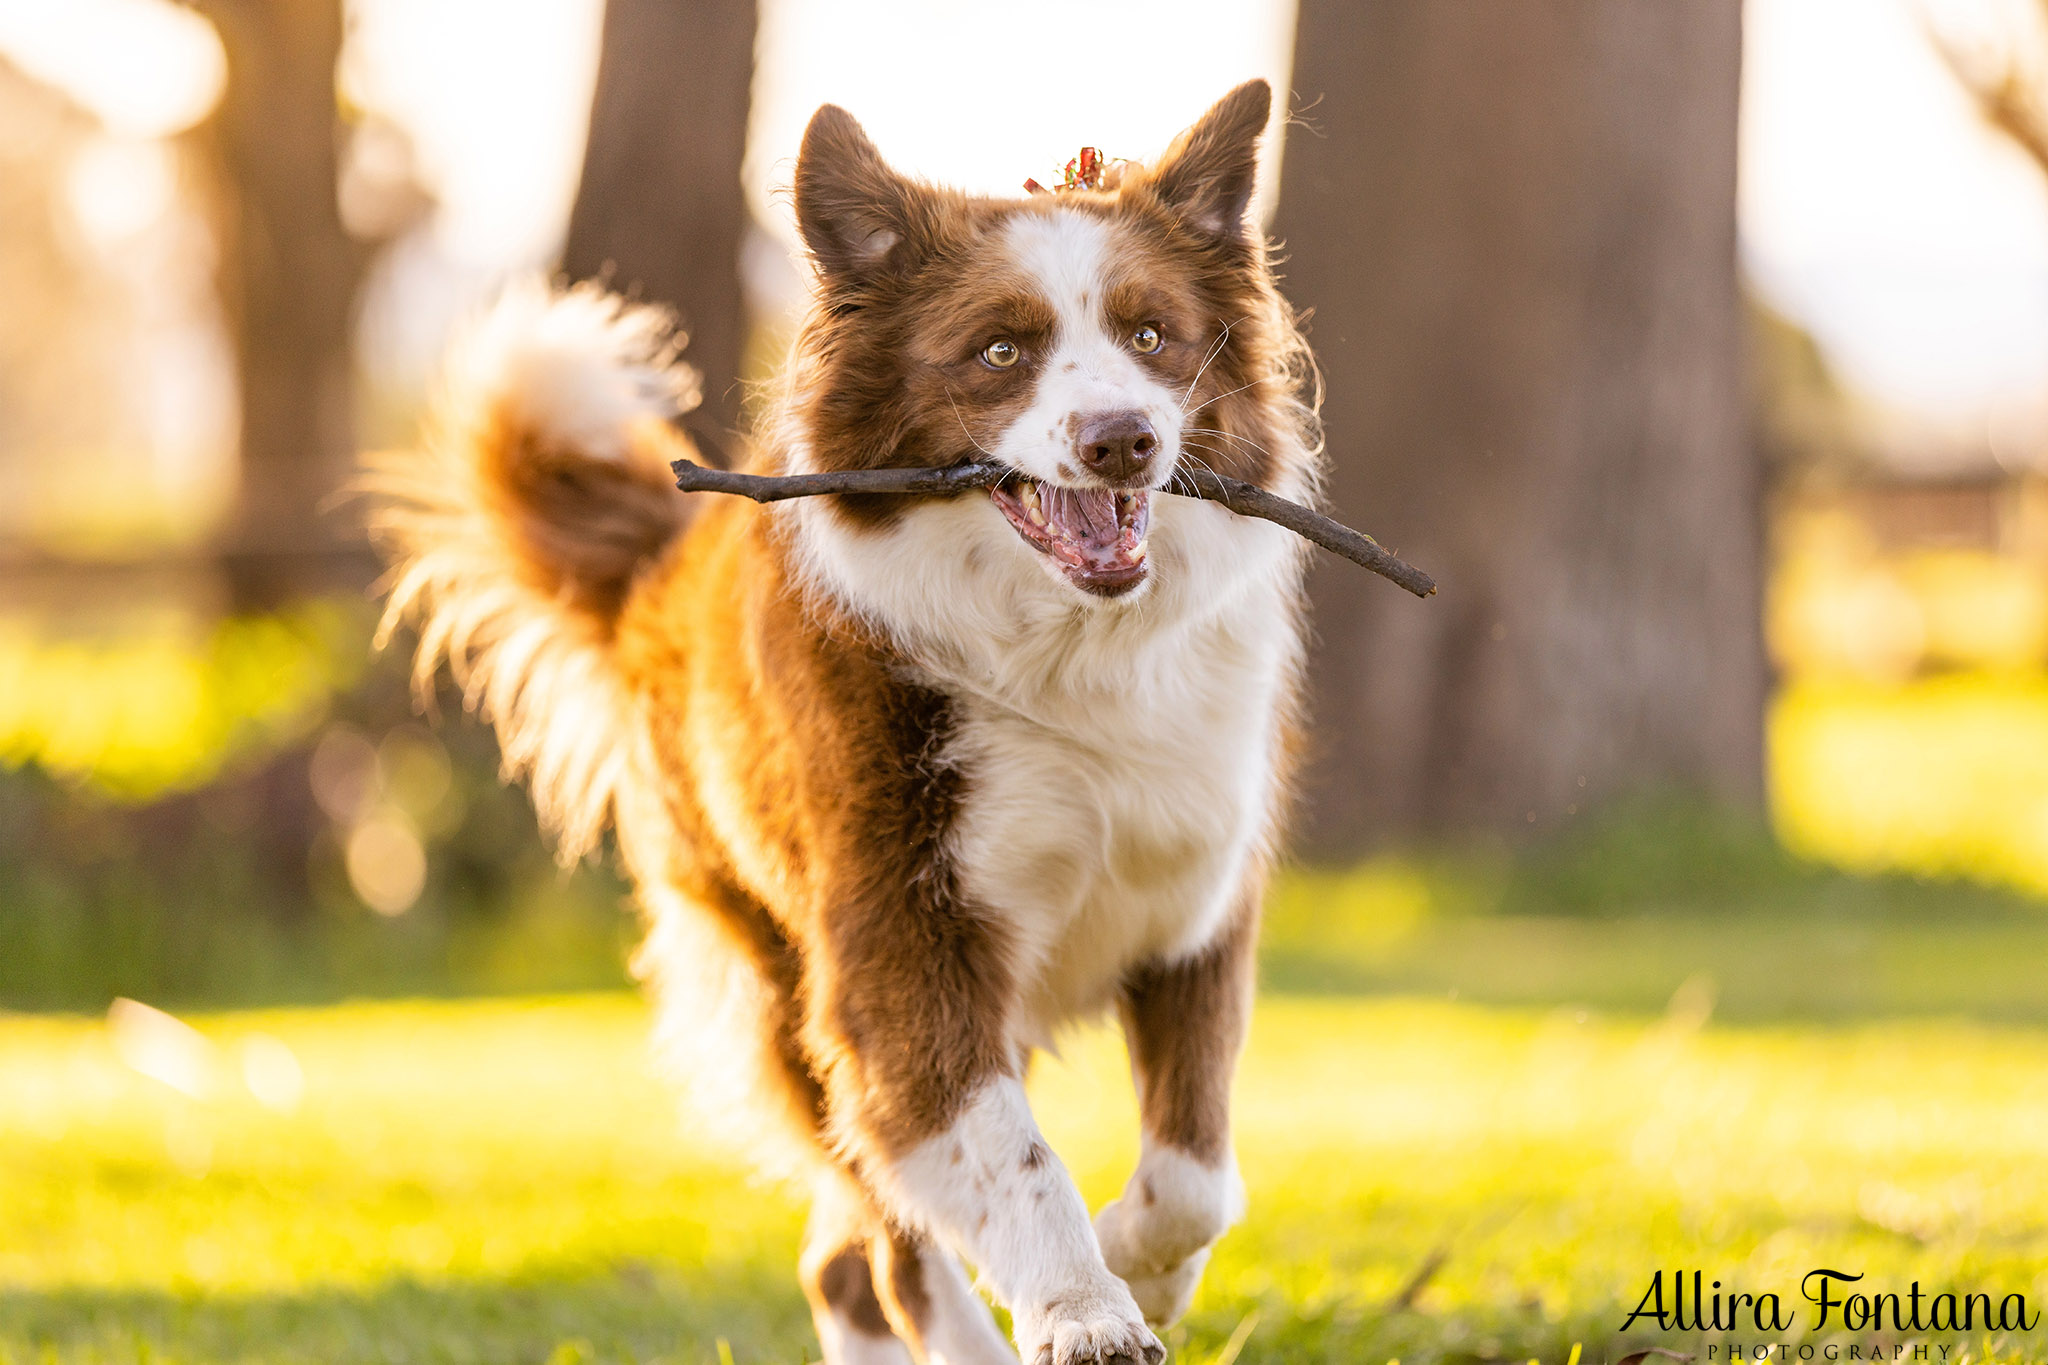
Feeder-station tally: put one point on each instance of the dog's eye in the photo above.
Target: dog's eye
(1001, 353)
(1146, 340)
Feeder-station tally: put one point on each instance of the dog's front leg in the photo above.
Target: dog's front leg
(909, 1017)
(1184, 1023)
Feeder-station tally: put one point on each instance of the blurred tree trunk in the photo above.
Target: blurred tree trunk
(661, 213)
(289, 272)
(2005, 74)
(1515, 224)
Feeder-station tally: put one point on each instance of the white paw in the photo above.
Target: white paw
(1095, 1326)
(1157, 1237)
(1162, 1263)
(1164, 1298)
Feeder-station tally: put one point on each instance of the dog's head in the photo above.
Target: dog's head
(1094, 341)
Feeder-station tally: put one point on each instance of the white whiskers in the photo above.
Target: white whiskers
(1228, 436)
(963, 425)
(1221, 396)
(1208, 360)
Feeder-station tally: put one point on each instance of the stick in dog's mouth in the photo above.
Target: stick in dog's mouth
(1247, 500)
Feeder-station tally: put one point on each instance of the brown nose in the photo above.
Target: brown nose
(1116, 446)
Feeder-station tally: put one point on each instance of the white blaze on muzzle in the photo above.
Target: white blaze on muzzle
(1101, 431)
(1091, 372)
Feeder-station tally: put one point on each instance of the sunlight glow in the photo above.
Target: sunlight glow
(1879, 211)
(387, 864)
(496, 103)
(983, 96)
(1946, 776)
(163, 1047)
(119, 188)
(1875, 208)
(272, 1072)
(144, 68)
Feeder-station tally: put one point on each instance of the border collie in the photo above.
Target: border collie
(908, 784)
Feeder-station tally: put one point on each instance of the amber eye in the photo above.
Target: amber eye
(1001, 353)
(1146, 340)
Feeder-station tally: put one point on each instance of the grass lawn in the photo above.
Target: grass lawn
(1430, 1180)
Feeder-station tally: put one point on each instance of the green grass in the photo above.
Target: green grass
(1754, 967)
(1626, 909)
(504, 1182)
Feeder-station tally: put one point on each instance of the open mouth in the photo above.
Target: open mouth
(1095, 536)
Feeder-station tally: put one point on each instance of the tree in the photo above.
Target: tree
(1515, 225)
(289, 274)
(660, 212)
(2003, 68)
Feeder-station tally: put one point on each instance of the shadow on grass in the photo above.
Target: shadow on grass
(1348, 1333)
(640, 1317)
(635, 1315)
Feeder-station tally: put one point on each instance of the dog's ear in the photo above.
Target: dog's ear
(859, 218)
(1207, 175)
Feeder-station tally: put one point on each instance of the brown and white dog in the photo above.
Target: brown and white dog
(906, 785)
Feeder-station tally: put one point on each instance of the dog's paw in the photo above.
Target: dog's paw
(1160, 1247)
(1163, 1297)
(1096, 1326)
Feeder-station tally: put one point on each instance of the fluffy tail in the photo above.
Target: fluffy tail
(514, 533)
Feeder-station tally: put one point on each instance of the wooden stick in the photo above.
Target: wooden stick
(1250, 500)
(1247, 500)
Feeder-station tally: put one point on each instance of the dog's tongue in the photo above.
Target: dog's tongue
(1096, 536)
(1084, 518)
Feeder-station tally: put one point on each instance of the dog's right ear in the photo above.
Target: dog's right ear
(859, 218)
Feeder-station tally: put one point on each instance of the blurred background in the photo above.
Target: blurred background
(1699, 349)
(1701, 353)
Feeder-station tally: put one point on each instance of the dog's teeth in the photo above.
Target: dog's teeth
(1138, 555)
(1031, 506)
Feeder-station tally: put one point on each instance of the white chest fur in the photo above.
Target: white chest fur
(1119, 756)
(1114, 833)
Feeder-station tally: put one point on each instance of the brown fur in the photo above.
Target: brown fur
(898, 1261)
(900, 1002)
(890, 351)
(844, 1286)
(780, 779)
(1184, 1023)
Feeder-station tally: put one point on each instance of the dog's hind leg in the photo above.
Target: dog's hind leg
(883, 1296)
(834, 1268)
(1184, 1023)
(727, 1020)
(926, 1296)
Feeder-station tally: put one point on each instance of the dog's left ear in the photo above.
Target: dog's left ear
(1209, 171)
